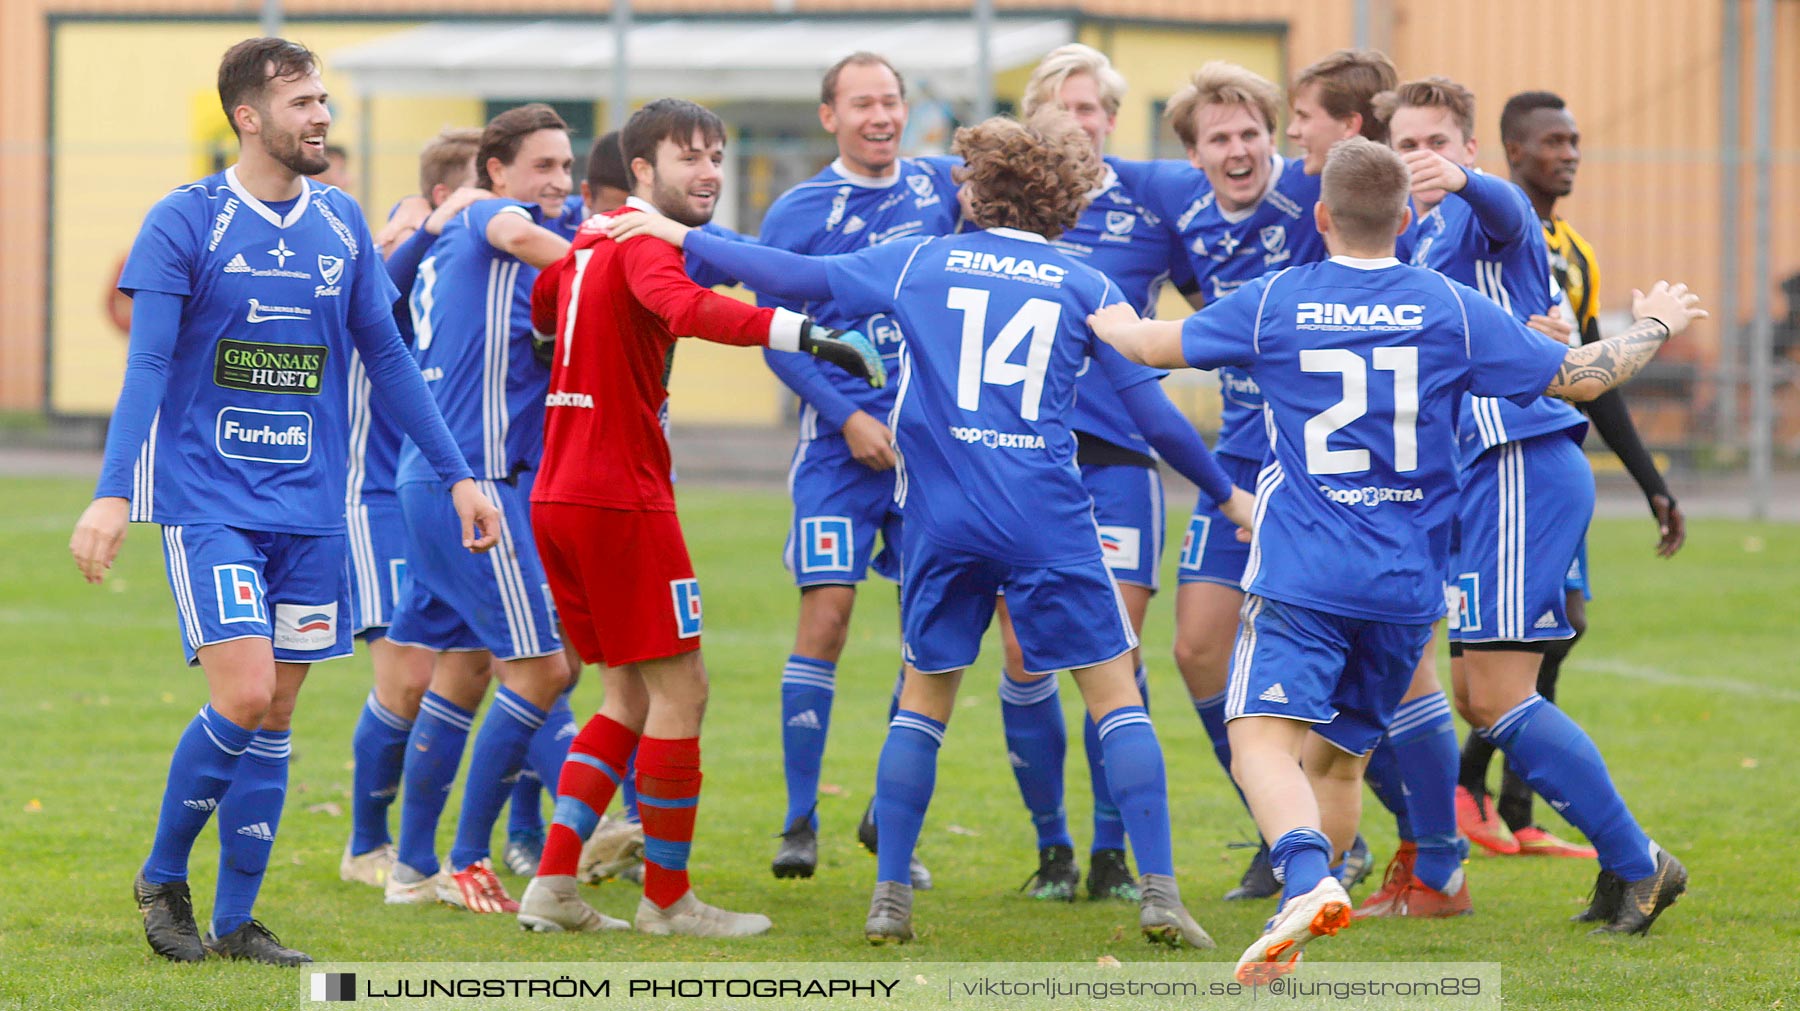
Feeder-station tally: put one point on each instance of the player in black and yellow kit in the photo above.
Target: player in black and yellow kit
(1543, 151)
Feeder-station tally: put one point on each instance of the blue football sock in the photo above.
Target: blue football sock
(1211, 711)
(893, 711)
(249, 817)
(1140, 788)
(1036, 743)
(500, 750)
(807, 688)
(1109, 829)
(379, 747)
(1383, 776)
(433, 751)
(525, 806)
(549, 747)
(1562, 764)
(628, 790)
(1422, 738)
(905, 777)
(206, 759)
(1302, 859)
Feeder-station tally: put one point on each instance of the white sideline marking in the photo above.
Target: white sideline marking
(1656, 675)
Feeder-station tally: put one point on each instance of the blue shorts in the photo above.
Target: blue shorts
(498, 601)
(1524, 512)
(230, 583)
(1128, 506)
(1577, 578)
(1211, 552)
(839, 507)
(377, 564)
(1346, 675)
(1065, 617)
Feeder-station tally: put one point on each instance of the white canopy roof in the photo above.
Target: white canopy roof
(717, 58)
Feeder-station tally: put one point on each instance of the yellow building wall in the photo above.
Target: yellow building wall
(135, 114)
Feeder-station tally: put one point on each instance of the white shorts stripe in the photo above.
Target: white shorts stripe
(182, 585)
(510, 580)
(1237, 684)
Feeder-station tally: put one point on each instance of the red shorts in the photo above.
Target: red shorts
(623, 584)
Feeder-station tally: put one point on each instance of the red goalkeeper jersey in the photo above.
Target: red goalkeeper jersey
(616, 310)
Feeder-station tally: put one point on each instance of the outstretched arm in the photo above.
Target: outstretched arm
(1592, 369)
(1174, 439)
(1612, 419)
(659, 280)
(766, 270)
(1152, 342)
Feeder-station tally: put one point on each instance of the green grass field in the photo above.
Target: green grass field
(1687, 681)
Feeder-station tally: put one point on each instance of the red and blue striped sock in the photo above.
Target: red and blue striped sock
(668, 784)
(592, 771)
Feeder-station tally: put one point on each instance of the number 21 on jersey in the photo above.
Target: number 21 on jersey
(1036, 319)
(1350, 367)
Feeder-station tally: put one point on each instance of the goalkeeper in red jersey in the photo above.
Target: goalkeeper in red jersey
(603, 511)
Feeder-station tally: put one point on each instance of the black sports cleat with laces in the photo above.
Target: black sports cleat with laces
(169, 919)
(254, 942)
(798, 856)
(1603, 902)
(865, 829)
(1109, 877)
(1056, 876)
(1258, 881)
(1643, 900)
(870, 837)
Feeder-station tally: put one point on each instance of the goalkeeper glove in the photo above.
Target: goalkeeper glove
(847, 349)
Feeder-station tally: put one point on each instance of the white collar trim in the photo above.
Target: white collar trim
(1107, 182)
(869, 182)
(1014, 233)
(643, 205)
(264, 210)
(1358, 263)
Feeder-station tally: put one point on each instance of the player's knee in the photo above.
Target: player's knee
(824, 621)
(1464, 708)
(1203, 657)
(245, 703)
(1485, 712)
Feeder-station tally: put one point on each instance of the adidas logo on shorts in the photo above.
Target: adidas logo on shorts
(201, 804)
(1547, 621)
(807, 720)
(1274, 694)
(259, 830)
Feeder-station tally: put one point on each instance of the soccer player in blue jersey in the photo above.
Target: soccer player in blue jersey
(995, 502)
(1479, 230)
(378, 540)
(474, 346)
(1241, 210)
(842, 478)
(1543, 151)
(1364, 363)
(252, 289)
(1527, 494)
(1132, 246)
